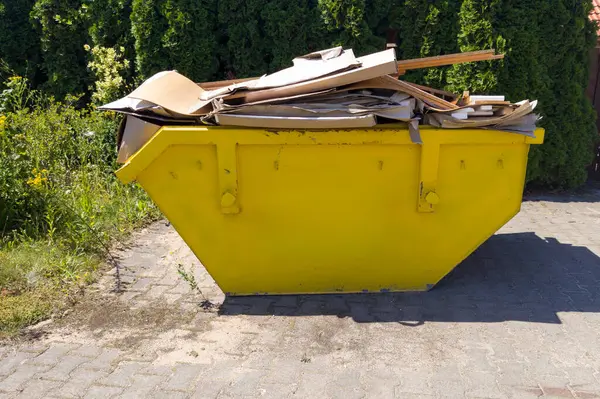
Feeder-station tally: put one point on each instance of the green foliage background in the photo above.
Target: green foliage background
(547, 45)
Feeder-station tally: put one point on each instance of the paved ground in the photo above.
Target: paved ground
(520, 318)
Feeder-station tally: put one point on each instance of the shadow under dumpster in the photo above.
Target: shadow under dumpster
(520, 277)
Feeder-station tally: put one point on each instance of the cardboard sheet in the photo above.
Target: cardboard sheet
(401, 112)
(309, 67)
(170, 91)
(135, 134)
(327, 89)
(390, 83)
(282, 122)
(372, 66)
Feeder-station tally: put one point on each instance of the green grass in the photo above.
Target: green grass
(25, 309)
(40, 275)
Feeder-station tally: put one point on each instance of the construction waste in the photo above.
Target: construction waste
(328, 89)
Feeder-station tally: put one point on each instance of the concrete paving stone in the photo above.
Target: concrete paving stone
(12, 360)
(54, 353)
(410, 395)
(482, 385)
(522, 391)
(156, 291)
(161, 394)
(244, 382)
(142, 386)
(414, 382)
(38, 388)
(142, 284)
(582, 379)
(129, 296)
(35, 348)
(79, 381)
(146, 356)
(171, 298)
(62, 370)
(209, 389)
(102, 392)
(105, 360)
(91, 351)
(310, 383)
(181, 287)
(21, 377)
(557, 392)
(158, 369)
(183, 376)
(274, 391)
(283, 372)
(585, 394)
(123, 375)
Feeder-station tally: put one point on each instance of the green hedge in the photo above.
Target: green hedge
(62, 28)
(19, 42)
(547, 45)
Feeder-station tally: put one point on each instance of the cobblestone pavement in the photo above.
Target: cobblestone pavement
(520, 318)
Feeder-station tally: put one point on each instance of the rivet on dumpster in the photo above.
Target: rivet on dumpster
(333, 175)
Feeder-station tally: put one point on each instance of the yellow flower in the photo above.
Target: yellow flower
(2, 121)
(38, 177)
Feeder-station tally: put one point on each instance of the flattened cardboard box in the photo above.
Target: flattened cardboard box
(372, 66)
(135, 134)
(170, 91)
(286, 122)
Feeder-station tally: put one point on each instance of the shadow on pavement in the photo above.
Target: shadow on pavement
(519, 277)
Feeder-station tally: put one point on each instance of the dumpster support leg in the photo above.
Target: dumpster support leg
(228, 185)
(430, 156)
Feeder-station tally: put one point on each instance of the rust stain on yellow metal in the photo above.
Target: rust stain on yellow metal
(284, 212)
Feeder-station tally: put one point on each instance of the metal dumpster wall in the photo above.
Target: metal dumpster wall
(345, 211)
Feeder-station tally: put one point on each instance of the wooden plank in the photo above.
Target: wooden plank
(450, 59)
(403, 65)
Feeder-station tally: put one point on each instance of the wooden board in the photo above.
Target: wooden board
(450, 59)
(403, 65)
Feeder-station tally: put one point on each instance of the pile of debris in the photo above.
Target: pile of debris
(329, 89)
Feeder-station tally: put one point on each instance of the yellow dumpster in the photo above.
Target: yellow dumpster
(298, 211)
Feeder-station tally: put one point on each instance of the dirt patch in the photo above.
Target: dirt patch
(109, 313)
(116, 322)
(110, 320)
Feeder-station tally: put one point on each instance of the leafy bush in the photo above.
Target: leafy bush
(109, 68)
(147, 27)
(60, 203)
(19, 42)
(62, 27)
(547, 58)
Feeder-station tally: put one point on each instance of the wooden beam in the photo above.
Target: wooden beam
(450, 59)
(403, 65)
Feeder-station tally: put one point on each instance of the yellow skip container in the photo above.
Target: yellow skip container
(287, 212)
